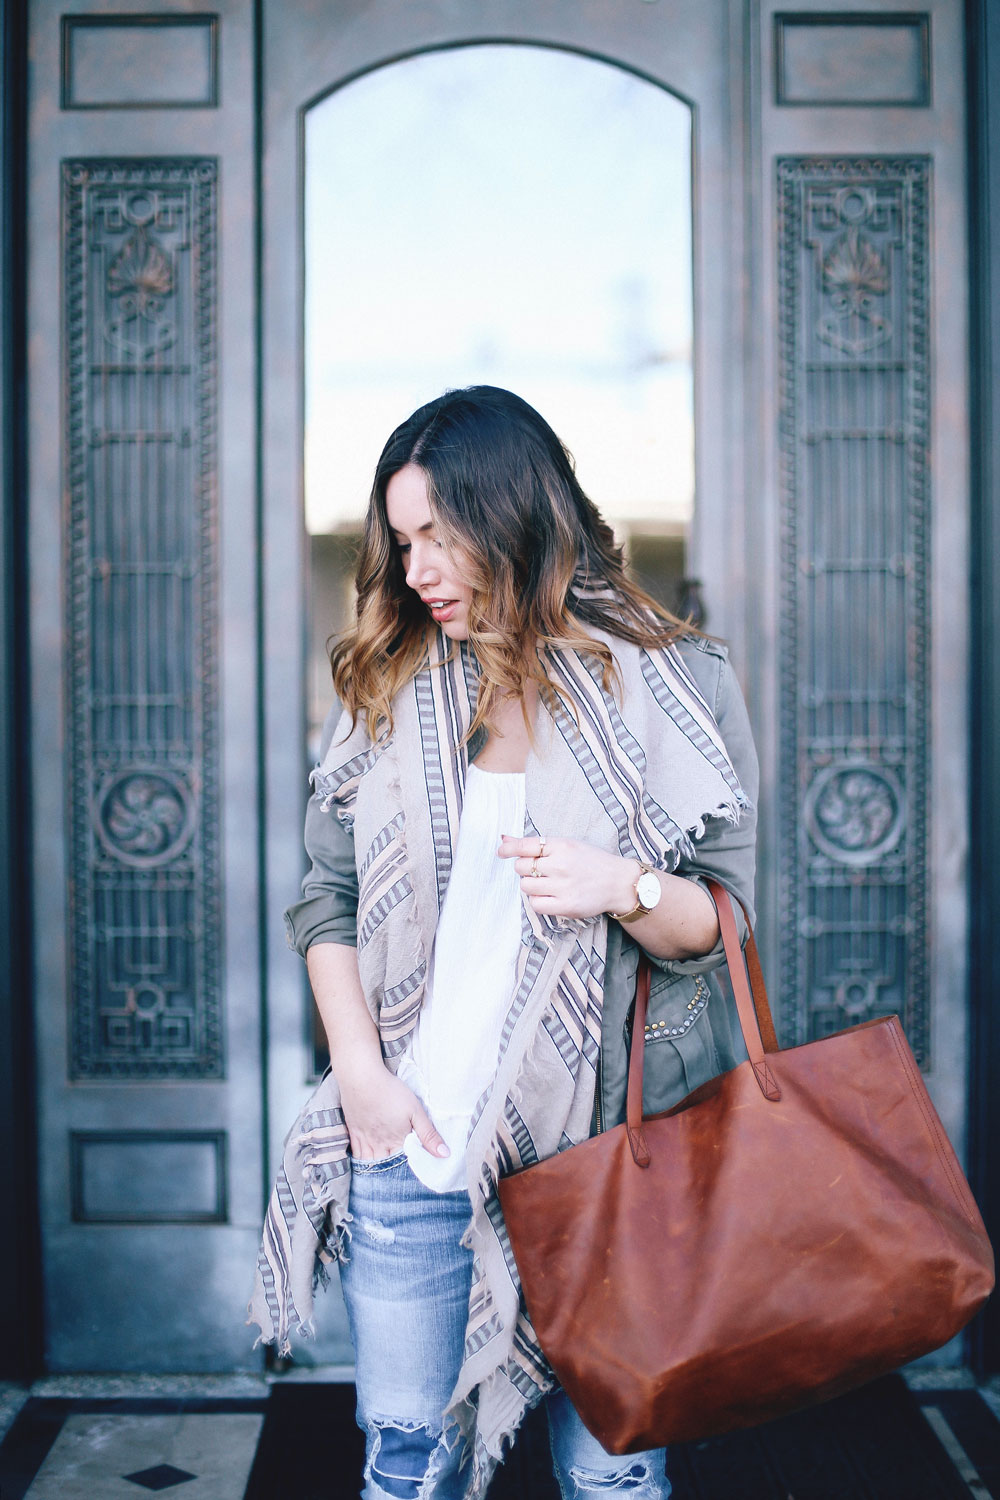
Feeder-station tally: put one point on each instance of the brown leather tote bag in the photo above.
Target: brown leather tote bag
(791, 1229)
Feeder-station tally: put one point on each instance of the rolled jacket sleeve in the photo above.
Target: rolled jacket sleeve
(328, 910)
(726, 852)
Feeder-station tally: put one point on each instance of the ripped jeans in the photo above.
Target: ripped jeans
(406, 1284)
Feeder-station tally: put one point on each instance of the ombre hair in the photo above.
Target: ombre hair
(543, 566)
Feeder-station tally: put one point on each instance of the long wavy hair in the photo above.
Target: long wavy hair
(543, 566)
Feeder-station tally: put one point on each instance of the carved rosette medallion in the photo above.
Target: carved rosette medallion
(142, 761)
(854, 812)
(144, 816)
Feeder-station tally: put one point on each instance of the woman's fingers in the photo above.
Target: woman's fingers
(534, 858)
(426, 1134)
(530, 848)
(380, 1111)
(569, 877)
(363, 1150)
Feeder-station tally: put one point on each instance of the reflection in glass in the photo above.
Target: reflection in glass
(513, 215)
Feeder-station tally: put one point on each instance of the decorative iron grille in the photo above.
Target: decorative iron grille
(142, 755)
(854, 640)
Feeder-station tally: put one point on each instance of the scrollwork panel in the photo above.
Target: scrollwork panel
(854, 431)
(139, 247)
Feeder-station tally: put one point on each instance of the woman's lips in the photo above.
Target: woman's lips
(442, 611)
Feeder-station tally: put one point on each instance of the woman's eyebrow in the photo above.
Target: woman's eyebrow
(427, 526)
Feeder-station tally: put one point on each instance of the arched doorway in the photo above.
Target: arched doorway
(516, 213)
(168, 165)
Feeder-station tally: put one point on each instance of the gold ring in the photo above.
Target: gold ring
(534, 867)
(541, 846)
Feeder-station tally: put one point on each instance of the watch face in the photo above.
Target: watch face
(648, 889)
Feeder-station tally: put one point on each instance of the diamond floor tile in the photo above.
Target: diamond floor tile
(160, 1477)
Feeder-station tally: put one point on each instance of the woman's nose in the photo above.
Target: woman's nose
(421, 569)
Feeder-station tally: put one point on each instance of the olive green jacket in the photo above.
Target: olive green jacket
(690, 1033)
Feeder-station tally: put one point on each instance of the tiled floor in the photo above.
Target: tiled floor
(117, 1456)
(240, 1438)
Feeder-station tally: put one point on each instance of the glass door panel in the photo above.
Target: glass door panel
(511, 215)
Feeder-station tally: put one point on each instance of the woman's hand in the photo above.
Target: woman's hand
(380, 1111)
(571, 878)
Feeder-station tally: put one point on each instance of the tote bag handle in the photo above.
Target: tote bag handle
(752, 1005)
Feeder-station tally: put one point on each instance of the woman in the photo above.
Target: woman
(533, 769)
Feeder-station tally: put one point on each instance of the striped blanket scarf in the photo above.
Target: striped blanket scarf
(636, 773)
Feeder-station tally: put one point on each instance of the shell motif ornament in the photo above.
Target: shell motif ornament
(141, 278)
(854, 275)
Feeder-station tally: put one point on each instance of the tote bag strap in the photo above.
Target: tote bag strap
(744, 966)
(752, 1005)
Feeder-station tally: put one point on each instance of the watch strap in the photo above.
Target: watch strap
(638, 910)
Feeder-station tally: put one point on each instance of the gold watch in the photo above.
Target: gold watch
(648, 891)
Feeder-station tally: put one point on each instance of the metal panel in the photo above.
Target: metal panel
(858, 57)
(20, 1320)
(984, 184)
(854, 418)
(140, 62)
(149, 1176)
(141, 617)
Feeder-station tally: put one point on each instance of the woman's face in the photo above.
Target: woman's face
(431, 571)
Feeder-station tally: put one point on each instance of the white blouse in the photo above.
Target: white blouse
(454, 1049)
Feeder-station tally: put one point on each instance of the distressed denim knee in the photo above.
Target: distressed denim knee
(635, 1479)
(409, 1461)
(584, 1469)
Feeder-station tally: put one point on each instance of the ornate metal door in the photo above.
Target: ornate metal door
(864, 185)
(169, 596)
(144, 627)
